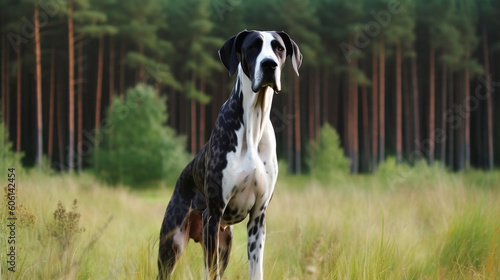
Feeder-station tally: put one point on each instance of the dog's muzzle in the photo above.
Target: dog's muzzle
(267, 76)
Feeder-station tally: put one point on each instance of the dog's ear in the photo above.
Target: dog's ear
(230, 53)
(292, 50)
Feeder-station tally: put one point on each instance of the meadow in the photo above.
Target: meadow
(420, 223)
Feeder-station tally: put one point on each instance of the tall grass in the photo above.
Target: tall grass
(421, 223)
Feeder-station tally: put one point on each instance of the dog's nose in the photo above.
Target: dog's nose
(268, 64)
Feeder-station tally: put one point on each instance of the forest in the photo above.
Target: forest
(396, 78)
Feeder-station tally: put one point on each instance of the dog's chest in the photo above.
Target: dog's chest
(250, 175)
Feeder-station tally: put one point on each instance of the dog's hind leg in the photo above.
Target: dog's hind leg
(225, 243)
(176, 226)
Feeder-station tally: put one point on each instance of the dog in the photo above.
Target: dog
(234, 174)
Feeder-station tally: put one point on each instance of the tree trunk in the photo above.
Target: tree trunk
(2, 77)
(467, 119)
(407, 128)
(7, 90)
(346, 111)
(399, 111)
(298, 145)
(19, 91)
(444, 84)
(60, 126)
(353, 128)
(99, 88)
(450, 128)
(325, 100)
(79, 131)
(172, 108)
(382, 100)
(416, 109)
(375, 113)
(202, 116)
(38, 60)
(366, 126)
(71, 87)
(289, 128)
(141, 67)
(336, 105)
(489, 101)
(111, 69)
(317, 107)
(311, 102)
(460, 132)
(432, 103)
(193, 117)
(122, 71)
(51, 101)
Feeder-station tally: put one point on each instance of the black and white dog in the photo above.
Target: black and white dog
(235, 172)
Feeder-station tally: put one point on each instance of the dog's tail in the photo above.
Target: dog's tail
(174, 235)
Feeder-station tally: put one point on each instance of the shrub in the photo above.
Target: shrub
(8, 158)
(65, 226)
(329, 160)
(137, 148)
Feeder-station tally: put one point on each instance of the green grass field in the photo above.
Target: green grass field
(422, 223)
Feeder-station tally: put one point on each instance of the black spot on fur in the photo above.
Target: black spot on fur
(252, 247)
(254, 229)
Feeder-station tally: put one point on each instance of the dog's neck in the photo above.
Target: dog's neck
(256, 109)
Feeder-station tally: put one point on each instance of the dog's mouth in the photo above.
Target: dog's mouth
(272, 85)
(269, 82)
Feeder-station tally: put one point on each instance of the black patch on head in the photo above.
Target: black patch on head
(292, 51)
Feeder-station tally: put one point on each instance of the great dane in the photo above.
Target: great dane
(234, 174)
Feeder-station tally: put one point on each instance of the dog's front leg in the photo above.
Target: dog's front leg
(256, 238)
(211, 223)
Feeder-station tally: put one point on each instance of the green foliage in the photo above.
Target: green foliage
(328, 159)
(8, 158)
(390, 174)
(138, 148)
(65, 226)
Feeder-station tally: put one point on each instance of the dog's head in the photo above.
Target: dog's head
(262, 55)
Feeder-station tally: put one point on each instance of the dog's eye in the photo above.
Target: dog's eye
(280, 48)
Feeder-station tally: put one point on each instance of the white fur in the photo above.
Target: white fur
(256, 134)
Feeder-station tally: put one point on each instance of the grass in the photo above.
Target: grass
(403, 223)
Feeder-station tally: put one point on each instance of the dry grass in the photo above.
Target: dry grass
(427, 225)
